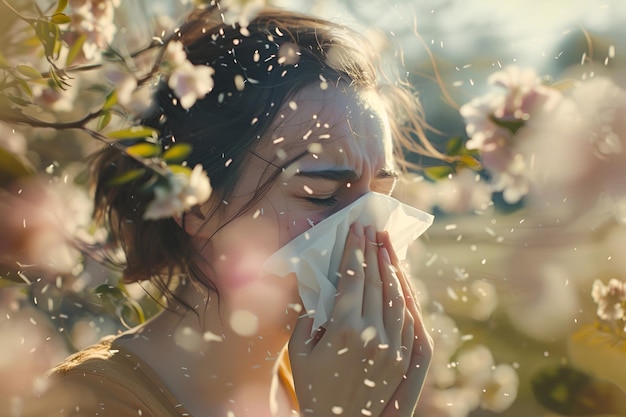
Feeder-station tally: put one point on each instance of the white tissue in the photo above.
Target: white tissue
(314, 256)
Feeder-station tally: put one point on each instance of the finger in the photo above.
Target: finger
(394, 305)
(349, 299)
(407, 287)
(423, 341)
(405, 398)
(373, 290)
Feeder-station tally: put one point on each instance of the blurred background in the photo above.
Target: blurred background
(506, 286)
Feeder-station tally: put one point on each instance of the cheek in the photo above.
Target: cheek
(242, 247)
(299, 223)
(257, 303)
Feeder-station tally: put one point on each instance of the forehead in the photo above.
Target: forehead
(335, 126)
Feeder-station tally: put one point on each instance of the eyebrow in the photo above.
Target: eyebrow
(343, 175)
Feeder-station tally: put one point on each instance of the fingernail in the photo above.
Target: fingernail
(357, 228)
(371, 234)
(386, 257)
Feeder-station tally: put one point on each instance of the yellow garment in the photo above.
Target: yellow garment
(105, 381)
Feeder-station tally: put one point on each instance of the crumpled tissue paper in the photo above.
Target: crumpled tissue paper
(315, 255)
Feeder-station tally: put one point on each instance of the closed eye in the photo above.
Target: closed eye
(323, 202)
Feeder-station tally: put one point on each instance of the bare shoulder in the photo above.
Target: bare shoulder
(100, 381)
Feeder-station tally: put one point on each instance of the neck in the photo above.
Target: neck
(220, 355)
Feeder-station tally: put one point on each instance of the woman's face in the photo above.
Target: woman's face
(347, 149)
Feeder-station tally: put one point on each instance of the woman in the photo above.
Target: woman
(295, 129)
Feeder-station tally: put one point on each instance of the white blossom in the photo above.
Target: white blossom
(124, 81)
(610, 298)
(175, 55)
(241, 11)
(93, 19)
(501, 389)
(191, 82)
(137, 99)
(180, 194)
(475, 364)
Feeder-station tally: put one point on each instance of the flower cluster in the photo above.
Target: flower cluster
(551, 144)
(182, 191)
(189, 82)
(93, 25)
(462, 380)
(493, 120)
(611, 301)
(39, 220)
(578, 149)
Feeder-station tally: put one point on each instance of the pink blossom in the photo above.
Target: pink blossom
(578, 149)
(191, 82)
(92, 19)
(55, 99)
(38, 221)
(495, 121)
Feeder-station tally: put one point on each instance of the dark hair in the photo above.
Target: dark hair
(224, 126)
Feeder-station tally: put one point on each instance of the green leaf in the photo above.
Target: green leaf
(19, 101)
(25, 87)
(28, 71)
(454, 146)
(45, 35)
(57, 44)
(135, 132)
(145, 150)
(110, 100)
(438, 172)
(104, 120)
(61, 6)
(177, 153)
(179, 169)
(12, 168)
(49, 34)
(469, 162)
(512, 125)
(126, 177)
(570, 392)
(75, 50)
(58, 82)
(60, 18)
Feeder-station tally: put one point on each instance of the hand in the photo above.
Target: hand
(404, 399)
(365, 361)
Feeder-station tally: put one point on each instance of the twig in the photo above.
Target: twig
(17, 13)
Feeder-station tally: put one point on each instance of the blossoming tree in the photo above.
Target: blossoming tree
(535, 187)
